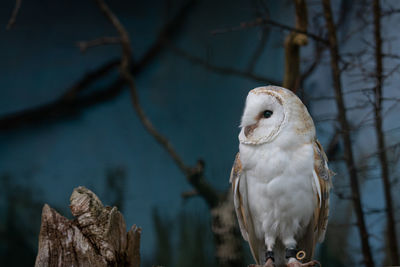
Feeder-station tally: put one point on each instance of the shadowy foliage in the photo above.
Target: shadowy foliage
(182, 241)
(19, 222)
(115, 187)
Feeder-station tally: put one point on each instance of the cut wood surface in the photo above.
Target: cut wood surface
(96, 237)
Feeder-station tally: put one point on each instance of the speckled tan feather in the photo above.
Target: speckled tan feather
(324, 175)
(243, 218)
(315, 231)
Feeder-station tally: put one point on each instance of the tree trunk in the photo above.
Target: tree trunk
(390, 219)
(96, 237)
(348, 150)
(227, 237)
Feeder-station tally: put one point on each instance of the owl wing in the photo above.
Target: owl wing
(237, 196)
(240, 202)
(322, 183)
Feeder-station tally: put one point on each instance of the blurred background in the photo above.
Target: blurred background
(66, 117)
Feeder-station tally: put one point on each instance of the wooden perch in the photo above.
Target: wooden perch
(293, 42)
(96, 237)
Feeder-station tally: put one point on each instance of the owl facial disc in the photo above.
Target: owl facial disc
(263, 117)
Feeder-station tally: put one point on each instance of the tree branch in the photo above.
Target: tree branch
(225, 236)
(221, 70)
(333, 146)
(311, 68)
(189, 194)
(14, 14)
(264, 22)
(193, 175)
(71, 103)
(84, 45)
(258, 51)
(221, 206)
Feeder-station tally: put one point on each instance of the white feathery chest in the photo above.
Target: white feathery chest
(279, 191)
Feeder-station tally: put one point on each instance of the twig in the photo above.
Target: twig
(312, 67)
(265, 22)
(394, 56)
(88, 79)
(258, 51)
(390, 12)
(14, 14)
(222, 70)
(84, 45)
(333, 145)
(189, 194)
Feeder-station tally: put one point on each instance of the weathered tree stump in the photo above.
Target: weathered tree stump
(96, 237)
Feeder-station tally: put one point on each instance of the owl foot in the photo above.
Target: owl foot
(307, 264)
(269, 263)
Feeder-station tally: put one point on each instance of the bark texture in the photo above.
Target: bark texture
(96, 237)
(293, 42)
(228, 244)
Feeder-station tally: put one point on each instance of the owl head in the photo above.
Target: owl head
(272, 111)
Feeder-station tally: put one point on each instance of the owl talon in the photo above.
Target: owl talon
(269, 263)
(311, 263)
(269, 254)
(307, 264)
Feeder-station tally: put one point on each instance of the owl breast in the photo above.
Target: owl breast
(279, 188)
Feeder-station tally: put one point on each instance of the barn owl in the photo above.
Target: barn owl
(280, 179)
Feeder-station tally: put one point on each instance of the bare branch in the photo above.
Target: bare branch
(266, 22)
(312, 67)
(389, 12)
(71, 103)
(126, 74)
(333, 145)
(189, 194)
(194, 175)
(84, 45)
(258, 51)
(124, 37)
(393, 56)
(222, 70)
(14, 14)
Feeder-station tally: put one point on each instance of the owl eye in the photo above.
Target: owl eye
(267, 113)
